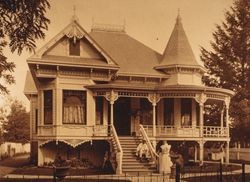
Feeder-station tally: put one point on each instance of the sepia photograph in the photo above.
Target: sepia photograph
(124, 90)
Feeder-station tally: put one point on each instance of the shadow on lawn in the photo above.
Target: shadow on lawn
(65, 180)
(232, 178)
(49, 171)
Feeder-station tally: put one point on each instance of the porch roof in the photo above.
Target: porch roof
(161, 89)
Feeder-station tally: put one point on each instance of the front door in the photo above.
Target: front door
(122, 116)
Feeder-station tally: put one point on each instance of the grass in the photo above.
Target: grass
(49, 171)
(209, 168)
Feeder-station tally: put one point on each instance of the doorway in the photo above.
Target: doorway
(122, 118)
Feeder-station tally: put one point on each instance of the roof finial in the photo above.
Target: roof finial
(178, 19)
(74, 17)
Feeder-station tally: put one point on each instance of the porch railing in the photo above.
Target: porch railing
(153, 154)
(72, 130)
(215, 131)
(186, 131)
(119, 153)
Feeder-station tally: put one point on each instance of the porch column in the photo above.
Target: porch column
(227, 152)
(154, 99)
(201, 151)
(195, 153)
(111, 97)
(222, 118)
(40, 158)
(201, 99)
(227, 103)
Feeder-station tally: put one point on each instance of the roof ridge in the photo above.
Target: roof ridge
(108, 27)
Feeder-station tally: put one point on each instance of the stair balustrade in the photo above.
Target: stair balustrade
(119, 154)
(153, 154)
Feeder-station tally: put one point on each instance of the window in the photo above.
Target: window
(169, 111)
(74, 47)
(74, 107)
(48, 105)
(99, 110)
(186, 112)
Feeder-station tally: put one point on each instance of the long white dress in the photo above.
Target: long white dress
(164, 159)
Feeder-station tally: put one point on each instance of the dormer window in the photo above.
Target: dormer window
(74, 47)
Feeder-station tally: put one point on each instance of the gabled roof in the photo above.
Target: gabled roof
(132, 56)
(73, 30)
(178, 50)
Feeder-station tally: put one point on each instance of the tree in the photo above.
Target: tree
(228, 64)
(16, 127)
(21, 23)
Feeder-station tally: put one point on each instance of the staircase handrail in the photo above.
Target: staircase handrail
(118, 144)
(154, 155)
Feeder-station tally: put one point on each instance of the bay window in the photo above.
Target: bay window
(74, 107)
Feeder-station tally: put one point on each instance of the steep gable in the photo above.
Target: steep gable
(59, 46)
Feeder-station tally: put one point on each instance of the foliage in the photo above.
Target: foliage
(21, 23)
(228, 63)
(16, 127)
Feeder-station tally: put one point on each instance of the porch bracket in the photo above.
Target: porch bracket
(154, 98)
(111, 96)
(201, 98)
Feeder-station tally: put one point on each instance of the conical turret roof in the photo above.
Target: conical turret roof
(178, 50)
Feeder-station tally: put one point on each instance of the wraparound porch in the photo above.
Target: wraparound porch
(161, 131)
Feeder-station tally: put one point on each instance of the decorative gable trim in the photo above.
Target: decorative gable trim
(75, 31)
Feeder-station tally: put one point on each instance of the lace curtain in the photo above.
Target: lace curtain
(74, 115)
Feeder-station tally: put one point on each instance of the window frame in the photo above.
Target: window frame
(45, 122)
(72, 49)
(83, 104)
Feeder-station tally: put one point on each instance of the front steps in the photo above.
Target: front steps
(129, 163)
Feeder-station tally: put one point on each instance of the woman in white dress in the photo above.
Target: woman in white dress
(164, 159)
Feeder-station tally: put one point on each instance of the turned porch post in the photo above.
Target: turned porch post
(227, 103)
(154, 99)
(222, 118)
(201, 99)
(111, 97)
(201, 151)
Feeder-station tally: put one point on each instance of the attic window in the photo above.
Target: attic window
(74, 47)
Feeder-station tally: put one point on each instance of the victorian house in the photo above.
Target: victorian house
(98, 91)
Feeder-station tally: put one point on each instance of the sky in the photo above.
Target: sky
(149, 21)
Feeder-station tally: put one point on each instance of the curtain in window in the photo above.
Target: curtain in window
(74, 114)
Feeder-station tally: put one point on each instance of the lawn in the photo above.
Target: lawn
(65, 180)
(49, 171)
